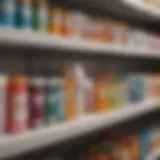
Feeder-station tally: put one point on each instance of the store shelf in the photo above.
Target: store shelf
(138, 5)
(17, 144)
(39, 40)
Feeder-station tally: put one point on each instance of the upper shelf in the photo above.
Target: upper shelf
(38, 40)
(148, 10)
(133, 11)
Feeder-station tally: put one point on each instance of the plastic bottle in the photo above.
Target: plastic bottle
(100, 98)
(36, 101)
(89, 96)
(17, 105)
(54, 109)
(40, 15)
(80, 78)
(23, 14)
(121, 89)
(137, 87)
(144, 143)
(70, 91)
(67, 29)
(110, 96)
(3, 83)
(55, 21)
(7, 10)
(78, 24)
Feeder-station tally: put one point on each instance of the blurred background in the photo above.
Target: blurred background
(79, 79)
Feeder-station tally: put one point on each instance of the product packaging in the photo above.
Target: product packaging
(67, 27)
(40, 15)
(89, 96)
(56, 21)
(137, 87)
(17, 105)
(80, 79)
(36, 101)
(70, 93)
(100, 97)
(54, 109)
(79, 20)
(3, 85)
(23, 14)
(7, 12)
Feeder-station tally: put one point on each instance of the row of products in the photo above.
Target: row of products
(31, 102)
(37, 15)
(135, 145)
(131, 146)
(24, 14)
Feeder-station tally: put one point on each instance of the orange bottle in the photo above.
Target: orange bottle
(70, 87)
(108, 88)
(99, 94)
(55, 21)
(67, 28)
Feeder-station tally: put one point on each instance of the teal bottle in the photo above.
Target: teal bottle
(23, 14)
(7, 11)
(54, 102)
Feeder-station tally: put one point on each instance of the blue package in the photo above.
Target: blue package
(7, 10)
(144, 140)
(136, 88)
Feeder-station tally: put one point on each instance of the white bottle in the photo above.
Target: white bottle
(80, 88)
(3, 83)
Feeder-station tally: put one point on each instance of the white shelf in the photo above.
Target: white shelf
(149, 10)
(39, 40)
(16, 144)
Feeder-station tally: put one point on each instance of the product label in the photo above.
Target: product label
(54, 105)
(36, 107)
(6, 12)
(2, 109)
(20, 112)
(23, 15)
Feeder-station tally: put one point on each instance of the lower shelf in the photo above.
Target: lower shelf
(11, 145)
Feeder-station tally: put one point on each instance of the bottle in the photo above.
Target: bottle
(89, 96)
(100, 98)
(145, 143)
(23, 14)
(80, 80)
(3, 83)
(70, 91)
(7, 11)
(55, 21)
(17, 105)
(137, 87)
(67, 29)
(40, 16)
(54, 100)
(79, 24)
(121, 91)
(36, 101)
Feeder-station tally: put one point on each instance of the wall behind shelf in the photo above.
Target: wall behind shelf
(29, 61)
